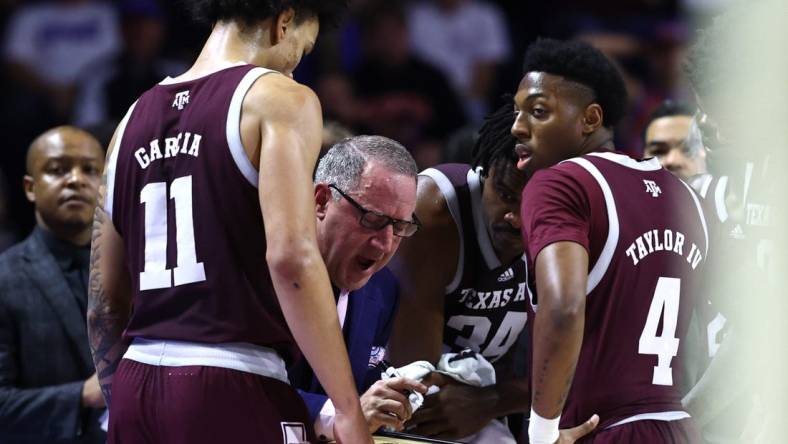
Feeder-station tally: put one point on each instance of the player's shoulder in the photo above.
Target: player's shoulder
(280, 90)
(566, 173)
(436, 188)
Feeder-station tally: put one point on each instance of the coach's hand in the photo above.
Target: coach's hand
(457, 411)
(569, 436)
(386, 402)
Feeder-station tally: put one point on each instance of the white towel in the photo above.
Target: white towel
(466, 367)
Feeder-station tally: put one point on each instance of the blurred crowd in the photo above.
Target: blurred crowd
(423, 72)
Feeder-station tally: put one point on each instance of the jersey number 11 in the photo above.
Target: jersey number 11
(155, 274)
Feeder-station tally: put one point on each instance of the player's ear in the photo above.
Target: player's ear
(28, 183)
(283, 23)
(593, 118)
(322, 197)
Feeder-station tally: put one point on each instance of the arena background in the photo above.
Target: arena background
(142, 41)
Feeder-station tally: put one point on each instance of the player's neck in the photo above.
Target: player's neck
(228, 45)
(601, 139)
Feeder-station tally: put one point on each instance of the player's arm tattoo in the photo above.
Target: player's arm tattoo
(106, 317)
(553, 368)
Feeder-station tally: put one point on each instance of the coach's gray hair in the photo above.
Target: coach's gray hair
(343, 164)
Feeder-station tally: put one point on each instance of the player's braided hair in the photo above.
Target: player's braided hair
(248, 12)
(495, 144)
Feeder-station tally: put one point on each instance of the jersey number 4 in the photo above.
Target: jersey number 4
(155, 274)
(665, 305)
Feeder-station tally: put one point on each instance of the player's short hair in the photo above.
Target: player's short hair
(581, 63)
(248, 12)
(670, 108)
(494, 148)
(343, 164)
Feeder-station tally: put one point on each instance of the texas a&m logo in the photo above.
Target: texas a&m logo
(181, 100)
(653, 188)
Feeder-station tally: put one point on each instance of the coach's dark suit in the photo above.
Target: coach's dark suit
(44, 352)
(371, 311)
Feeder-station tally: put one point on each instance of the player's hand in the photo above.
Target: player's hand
(91, 393)
(569, 436)
(386, 402)
(351, 428)
(457, 411)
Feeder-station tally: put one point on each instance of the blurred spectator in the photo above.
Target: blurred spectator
(49, 392)
(401, 96)
(467, 40)
(339, 99)
(333, 132)
(140, 66)
(666, 136)
(7, 235)
(52, 47)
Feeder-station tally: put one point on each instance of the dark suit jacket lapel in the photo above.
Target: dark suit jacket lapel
(47, 276)
(364, 312)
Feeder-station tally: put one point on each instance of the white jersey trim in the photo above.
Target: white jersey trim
(701, 215)
(524, 258)
(482, 235)
(170, 81)
(719, 199)
(642, 165)
(234, 125)
(450, 196)
(603, 262)
(239, 356)
(658, 416)
(112, 162)
(705, 183)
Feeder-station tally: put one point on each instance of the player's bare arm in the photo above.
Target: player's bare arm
(561, 278)
(109, 293)
(287, 129)
(424, 265)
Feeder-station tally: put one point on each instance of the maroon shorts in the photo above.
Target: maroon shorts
(682, 431)
(199, 404)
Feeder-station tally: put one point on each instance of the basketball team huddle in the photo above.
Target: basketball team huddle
(244, 288)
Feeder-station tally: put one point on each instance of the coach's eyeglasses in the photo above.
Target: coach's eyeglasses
(378, 221)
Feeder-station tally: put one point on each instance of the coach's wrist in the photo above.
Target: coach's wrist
(324, 423)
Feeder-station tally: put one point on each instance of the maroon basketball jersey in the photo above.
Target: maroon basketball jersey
(646, 238)
(182, 193)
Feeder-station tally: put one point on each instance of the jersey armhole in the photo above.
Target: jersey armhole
(608, 250)
(450, 196)
(112, 162)
(233, 130)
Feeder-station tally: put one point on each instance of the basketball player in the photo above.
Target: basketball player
(616, 245)
(204, 253)
(474, 294)
(743, 200)
(665, 138)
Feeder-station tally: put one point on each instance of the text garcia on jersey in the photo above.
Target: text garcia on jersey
(184, 143)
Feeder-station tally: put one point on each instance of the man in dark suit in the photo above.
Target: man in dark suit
(365, 194)
(49, 392)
